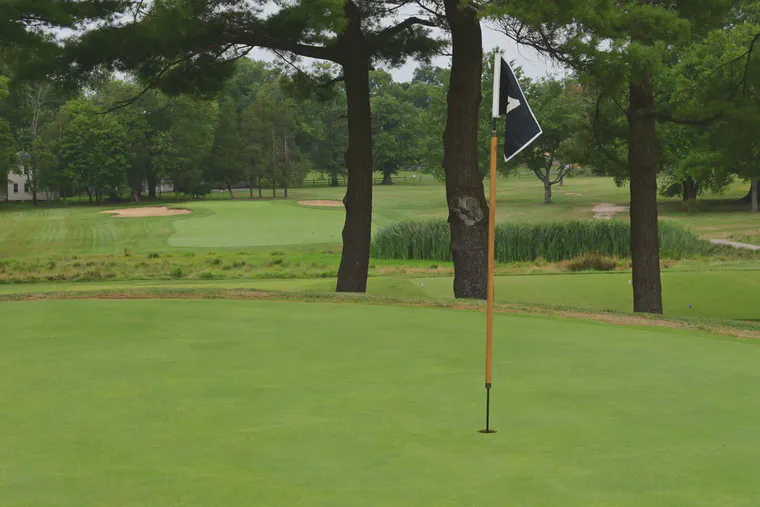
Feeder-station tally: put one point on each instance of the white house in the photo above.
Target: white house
(17, 189)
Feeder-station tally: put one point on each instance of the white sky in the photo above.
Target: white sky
(533, 65)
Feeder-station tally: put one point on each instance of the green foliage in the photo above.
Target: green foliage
(524, 241)
(592, 261)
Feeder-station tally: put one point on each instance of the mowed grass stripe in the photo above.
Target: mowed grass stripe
(258, 223)
(200, 403)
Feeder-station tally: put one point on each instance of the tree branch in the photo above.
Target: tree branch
(685, 121)
(379, 38)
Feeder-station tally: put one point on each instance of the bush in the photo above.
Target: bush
(592, 262)
(153, 255)
(206, 275)
(527, 242)
(177, 272)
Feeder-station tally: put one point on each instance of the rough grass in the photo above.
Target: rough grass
(525, 241)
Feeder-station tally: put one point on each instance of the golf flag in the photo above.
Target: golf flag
(508, 100)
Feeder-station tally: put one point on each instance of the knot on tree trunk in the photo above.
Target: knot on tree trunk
(467, 209)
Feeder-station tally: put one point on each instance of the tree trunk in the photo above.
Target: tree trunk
(151, 185)
(547, 192)
(334, 181)
(642, 165)
(250, 190)
(387, 178)
(135, 196)
(34, 196)
(274, 189)
(755, 192)
(89, 194)
(229, 189)
(258, 184)
(357, 230)
(689, 189)
(468, 210)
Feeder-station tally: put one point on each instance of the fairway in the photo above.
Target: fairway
(243, 223)
(258, 223)
(199, 403)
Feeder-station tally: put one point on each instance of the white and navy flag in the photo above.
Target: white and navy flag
(508, 100)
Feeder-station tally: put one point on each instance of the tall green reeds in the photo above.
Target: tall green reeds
(524, 242)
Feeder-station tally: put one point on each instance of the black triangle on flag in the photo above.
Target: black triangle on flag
(509, 100)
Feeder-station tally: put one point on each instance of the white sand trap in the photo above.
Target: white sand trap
(149, 211)
(571, 193)
(606, 211)
(323, 202)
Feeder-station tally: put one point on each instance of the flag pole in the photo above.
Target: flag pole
(491, 242)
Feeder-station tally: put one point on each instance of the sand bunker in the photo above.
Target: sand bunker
(150, 211)
(606, 211)
(322, 202)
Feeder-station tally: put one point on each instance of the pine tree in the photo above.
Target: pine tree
(190, 46)
(621, 50)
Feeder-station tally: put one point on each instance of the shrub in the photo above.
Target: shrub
(153, 255)
(592, 261)
(207, 275)
(177, 272)
(527, 242)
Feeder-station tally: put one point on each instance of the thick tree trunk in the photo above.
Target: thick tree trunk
(250, 190)
(229, 189)
(642, 164)
(89, 194)
(547, 192)
(755, 192)
(690, 189)
(468, 210)
(357, 230)
(387, 178)
(34, 196)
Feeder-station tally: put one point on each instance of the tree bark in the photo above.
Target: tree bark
(151, 185)
(229, 189)
(755, 192)
(357, 230)
(387, 178)
(465, 196)
(690, 189)
(250, 190)
(334, 181)
(642, 165)
(547, 192)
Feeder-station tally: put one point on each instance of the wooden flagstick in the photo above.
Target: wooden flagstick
(491, 243)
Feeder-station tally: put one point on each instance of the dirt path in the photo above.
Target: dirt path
(606, 211)
(322, 202)
(743, 246)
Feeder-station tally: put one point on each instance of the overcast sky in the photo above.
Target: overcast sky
(533, 64)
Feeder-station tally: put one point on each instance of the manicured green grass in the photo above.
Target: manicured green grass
(199, 403)
(257, 224)
(218, 224)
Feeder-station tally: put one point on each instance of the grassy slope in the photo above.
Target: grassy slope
(198, 403)
(219, 224)
(725, 294)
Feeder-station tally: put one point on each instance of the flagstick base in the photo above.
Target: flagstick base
(488, 411)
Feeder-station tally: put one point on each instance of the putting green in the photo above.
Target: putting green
(199, 403)
(258, 223)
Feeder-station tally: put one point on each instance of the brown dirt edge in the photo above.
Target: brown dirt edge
(724, 328)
